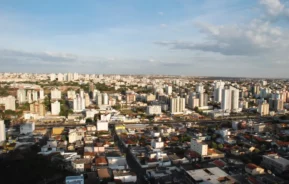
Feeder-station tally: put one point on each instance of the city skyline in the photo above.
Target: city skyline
(236, 38)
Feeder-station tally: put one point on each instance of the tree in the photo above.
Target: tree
(220, 146)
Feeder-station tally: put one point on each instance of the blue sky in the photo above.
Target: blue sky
(191, 37)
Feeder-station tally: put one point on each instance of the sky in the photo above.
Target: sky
(237, 38)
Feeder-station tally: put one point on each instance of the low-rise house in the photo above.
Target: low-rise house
(125, 176)
(254, 169)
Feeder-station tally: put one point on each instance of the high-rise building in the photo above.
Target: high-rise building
(78, 104)
(75, 76)
(226, 100)
(29, 96)
(69, 76)
(2, 131)
(52, 77)
(38, 108)
(21, 96)
(177, 104)
(104, 99)
(130, 97)
(193, 102)
(91, 87)
(200, 88)
(41, 94)
(263, 109)
(276, 104)
(55, 108)
(87, 99)
(98, 99)
(199, 147)
(34, 95)
(71, 94)
(60, 77)
(8, 102)
(235, 100)
(154, 109)
(55, 94)
(169, 90)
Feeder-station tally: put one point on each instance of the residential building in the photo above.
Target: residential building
(55, 94)
(130, 98)
(86, 99)
(102, 125)
(169, 90)
(154, 109)
(263, 109)
(27, 128)
(226, 100)
(254, 169)
(177, 105)
(55, 108)
(104, 99)
(2, 131)
(8, 102)
(78, 104)
(275, 163)
(71, 94)
(199, 147)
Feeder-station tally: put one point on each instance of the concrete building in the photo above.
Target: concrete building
(226, 100)
(102, 125)
(259, 128)
(38, 108)
(34, 95)
(177, 105)
(263, 109)
(71, 94)
(200, 88)
(275, 163)
(193, 102)
(199, 147)
(154, 109)
(29, 96)
(27, 128)
(150, 97)
(104, 99)
(78, 104)
(2, 131)
(235, 100)
(55, 94)
(86, 99)
(8, 102)
(98, 99)
(218, 87)
(55, 108)
(212, 175)
(21, 96)
(130, 98)
(60, 77)
(41, 94)
(52, 77)
(169, 90)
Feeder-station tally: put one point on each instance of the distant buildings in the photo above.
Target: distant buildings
(55, 94)
(263, 109)
(78, 104)
(230, 100)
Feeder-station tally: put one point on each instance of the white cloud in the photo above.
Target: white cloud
(163, 25)
(161, 13)
(273, 7)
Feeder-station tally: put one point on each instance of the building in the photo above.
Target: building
(212, 175)
(150, 97)
(199, 147)
(29, 96)
(21, 96)
(226, 100)
(254, 169)
(52, 77)
(34, 95)
(86, 99)
(275, 163)
(71, 94)
(2, 131)
(169, 90)
(60, 77)
(55, 94)
(55, 108)
(235, 100)
(98, 99)
(8, 102)
(104, 99)
(154, 110)
(193, 102)
(38, 108)
(27, 128)
(78, 104)
(102, 125)
(200, 88)
(41, 94)
(263, 109)
(177, 105)
(130, 97)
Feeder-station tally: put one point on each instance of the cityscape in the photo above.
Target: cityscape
(95, 128)
(144, 92)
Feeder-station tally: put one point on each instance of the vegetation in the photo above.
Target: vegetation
(4, 91)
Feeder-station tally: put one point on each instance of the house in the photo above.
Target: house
(254, 169)
(125, 176)
(78, 165)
